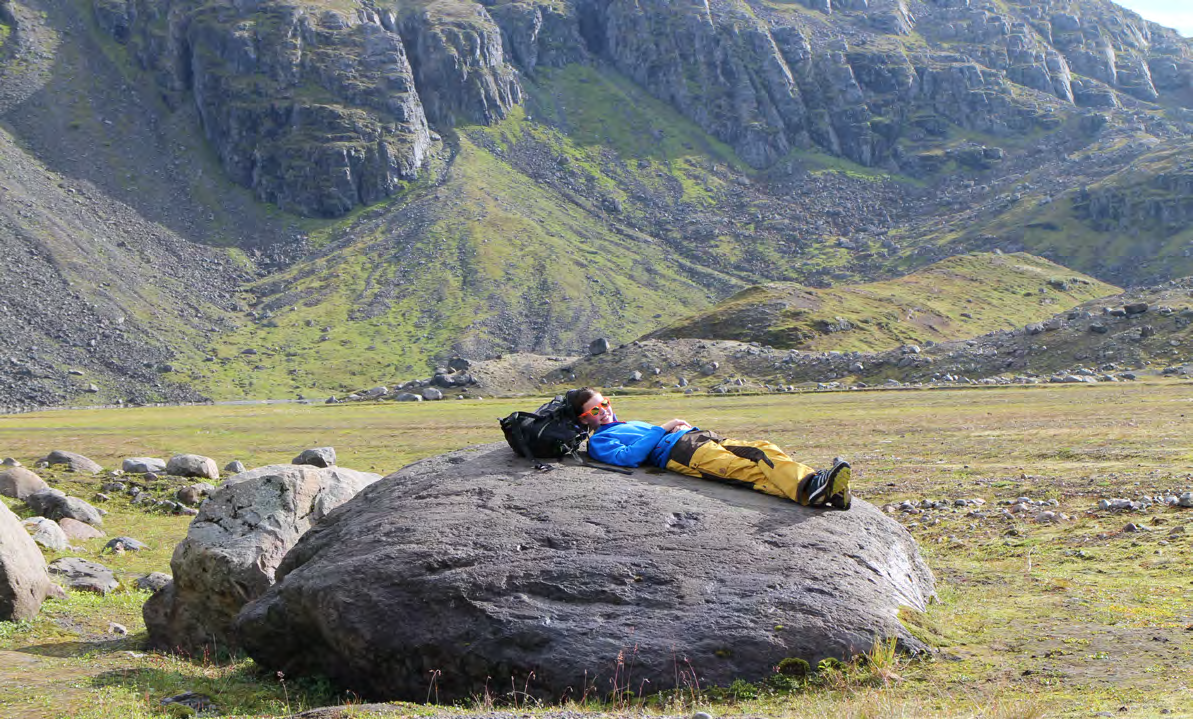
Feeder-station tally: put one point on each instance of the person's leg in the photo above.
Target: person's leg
(760, 465)
(781, 473)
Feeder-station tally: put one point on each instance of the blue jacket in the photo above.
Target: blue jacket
(629, 444)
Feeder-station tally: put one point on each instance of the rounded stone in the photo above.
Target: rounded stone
(317, 457)
(74, 462)
(234, 467)
(233, 546)
(19, 483)
(143, 465)
(193, 465)
(504, 571)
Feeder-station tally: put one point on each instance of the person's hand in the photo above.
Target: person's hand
(674, 425)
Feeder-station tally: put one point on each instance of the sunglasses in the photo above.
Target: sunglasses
(596, 410)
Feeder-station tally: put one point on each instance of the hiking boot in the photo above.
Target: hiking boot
(839, 495)
(824, 485)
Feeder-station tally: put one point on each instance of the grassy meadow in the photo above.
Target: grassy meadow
(1034, 620)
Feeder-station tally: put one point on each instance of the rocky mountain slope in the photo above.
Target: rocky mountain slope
(97, 298)
(357, 189)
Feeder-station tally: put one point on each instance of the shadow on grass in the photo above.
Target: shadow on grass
(147, 679)
(67, 650)
(240, 688)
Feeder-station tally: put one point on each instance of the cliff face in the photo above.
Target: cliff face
(315, 110)
(459, 63)
(855, 77)
(319, 109)
(1155, 193)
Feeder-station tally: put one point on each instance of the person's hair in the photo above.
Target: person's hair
(580, 398)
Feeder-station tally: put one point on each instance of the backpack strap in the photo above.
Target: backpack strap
(580, 460)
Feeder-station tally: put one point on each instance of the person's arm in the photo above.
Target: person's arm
(625, 445)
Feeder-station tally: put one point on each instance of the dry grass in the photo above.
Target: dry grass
(1034, 620)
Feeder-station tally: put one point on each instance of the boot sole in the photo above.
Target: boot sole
(839, 494)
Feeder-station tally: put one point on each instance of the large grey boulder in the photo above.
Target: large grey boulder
(193, 465)
(19, 483)
(144, 465)
(84, 576)
(477, 568)
(234, 545)
(54, 504)
(74, 462)
(24, 582)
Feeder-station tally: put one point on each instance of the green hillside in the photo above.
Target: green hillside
(572, 218)
(473, 259)
(957, 298)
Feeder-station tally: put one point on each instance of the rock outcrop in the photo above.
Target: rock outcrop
(314, 109)
(234, 545)
(478, 569)
(459, 63)
(1154, 193)
(24, 582)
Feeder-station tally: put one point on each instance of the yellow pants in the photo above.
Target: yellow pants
(761, 464)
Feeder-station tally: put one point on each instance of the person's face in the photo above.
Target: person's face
(597, 411)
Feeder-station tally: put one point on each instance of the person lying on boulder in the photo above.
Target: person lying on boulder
(678, 446)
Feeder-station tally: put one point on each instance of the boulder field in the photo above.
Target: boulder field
(471, 570)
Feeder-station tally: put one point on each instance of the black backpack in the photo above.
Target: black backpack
(550, 432)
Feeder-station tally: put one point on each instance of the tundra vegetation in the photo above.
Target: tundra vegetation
(1036, 617)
